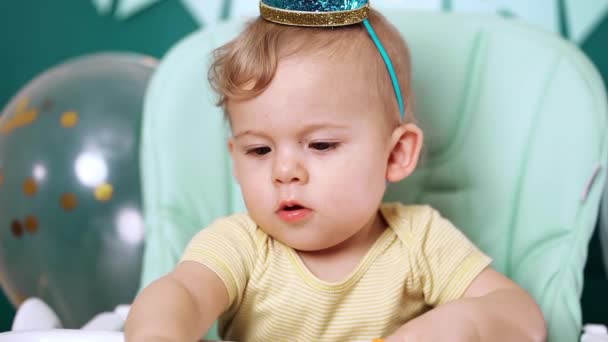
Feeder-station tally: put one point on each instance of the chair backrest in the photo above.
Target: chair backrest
(516, 149)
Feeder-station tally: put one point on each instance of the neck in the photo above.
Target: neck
(335, 263)
(359, 243)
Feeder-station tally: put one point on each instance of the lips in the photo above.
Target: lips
(292, 211)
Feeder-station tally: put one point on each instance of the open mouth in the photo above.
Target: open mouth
(292, 207)
(293, 211)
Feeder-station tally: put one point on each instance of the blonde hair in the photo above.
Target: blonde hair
(244, 67)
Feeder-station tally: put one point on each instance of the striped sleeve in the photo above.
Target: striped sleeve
(228, 248)
(448, 261)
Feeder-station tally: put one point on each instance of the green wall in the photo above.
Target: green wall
(596, 47)
(595, 292)
(36, 35)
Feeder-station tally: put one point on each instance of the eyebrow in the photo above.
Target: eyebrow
(249, 132)
(305, 130)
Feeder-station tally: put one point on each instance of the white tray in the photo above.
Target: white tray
(61, 335)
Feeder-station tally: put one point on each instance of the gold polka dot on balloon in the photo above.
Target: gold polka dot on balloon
(103, 193)
(16, 228)
(69, 119)
(31, 224)
(68, 201)
(30, 187)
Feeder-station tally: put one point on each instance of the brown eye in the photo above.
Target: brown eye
(323, 146)
(259, 151)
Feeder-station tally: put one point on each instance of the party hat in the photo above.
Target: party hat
(322, 13)
(315, 13)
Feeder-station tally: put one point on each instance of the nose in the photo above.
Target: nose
(288, 169)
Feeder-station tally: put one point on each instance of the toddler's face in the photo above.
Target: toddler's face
(311, 152)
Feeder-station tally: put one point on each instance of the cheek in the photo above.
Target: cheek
(257, 198)
(252, 182)
(356, 181)
(248, 176)
(365, 165)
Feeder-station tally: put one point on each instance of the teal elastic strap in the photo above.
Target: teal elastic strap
(389, 66)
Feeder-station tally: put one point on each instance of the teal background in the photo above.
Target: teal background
(36, 35)
(595, 291)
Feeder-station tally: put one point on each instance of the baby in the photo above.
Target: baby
(316, 137)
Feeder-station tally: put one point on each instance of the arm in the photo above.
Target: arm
(493, 308)
(181, 306)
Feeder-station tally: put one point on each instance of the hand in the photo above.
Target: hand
(437, 325)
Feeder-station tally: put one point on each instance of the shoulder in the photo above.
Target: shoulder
(238, 228)
(236, 222)
(230, 238)
(398, 214)
(411, 222)
(240, 221)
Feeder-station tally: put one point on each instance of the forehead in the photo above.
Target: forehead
(311, 89)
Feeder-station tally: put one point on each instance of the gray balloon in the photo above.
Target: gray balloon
(71, 227)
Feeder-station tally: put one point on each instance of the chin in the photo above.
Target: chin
(298, 245)
(309, 246)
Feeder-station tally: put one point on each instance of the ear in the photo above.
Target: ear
(232, 152)
(406, 143)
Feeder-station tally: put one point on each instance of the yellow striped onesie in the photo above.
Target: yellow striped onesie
(420, 261)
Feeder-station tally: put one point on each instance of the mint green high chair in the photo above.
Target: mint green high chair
(515, 121)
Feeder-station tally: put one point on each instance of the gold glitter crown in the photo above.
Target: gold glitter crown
(315, 13)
